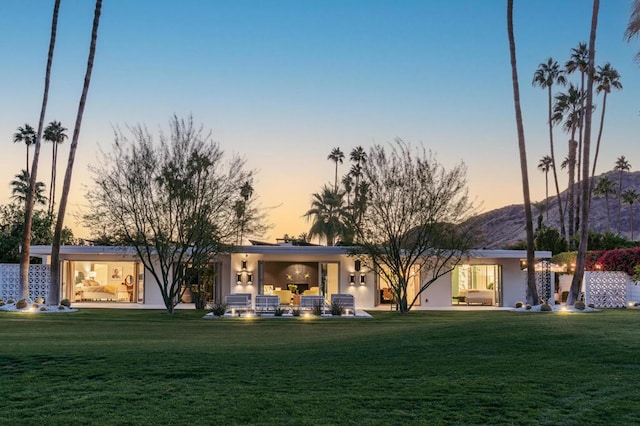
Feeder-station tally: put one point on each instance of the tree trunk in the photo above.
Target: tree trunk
(54, 293)
(28, 210)
(581, 258)
(571, 207)
(563, 231)
(595, 158)
(532, 293)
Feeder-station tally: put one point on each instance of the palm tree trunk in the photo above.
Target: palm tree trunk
(563, 231)
(546, 192)
(606, 198)
(532, 293)
(581, 258)
(571, 206)
(54, 293)
(28, 211)
(54, 173)
(595, 158)
(619, 199)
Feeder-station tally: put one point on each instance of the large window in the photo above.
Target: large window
(105, 282)
(385, 293)
(476, 284)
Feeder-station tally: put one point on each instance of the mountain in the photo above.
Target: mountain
(506, 225)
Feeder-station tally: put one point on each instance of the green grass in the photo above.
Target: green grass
(143, 367)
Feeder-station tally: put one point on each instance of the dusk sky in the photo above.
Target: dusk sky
(283, 82)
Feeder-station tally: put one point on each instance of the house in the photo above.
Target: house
(116, 275)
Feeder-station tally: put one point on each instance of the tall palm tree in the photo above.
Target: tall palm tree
(579, 61)
(606, 78)
(581, 256)
(54, 293)
(358, 157)
(337, 156)
(532, 293)
(622, 165)
(327, 212)
(246, 192)
(20, 189)
(604, 188)
(633, 28)
(347, 183)
(568, 106)
(544, 166)
(26, 135)
(55, 134)
(28, 211)
(548, 74)
(630, 196)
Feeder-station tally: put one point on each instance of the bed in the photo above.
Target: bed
(91, 290)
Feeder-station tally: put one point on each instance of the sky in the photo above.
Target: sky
(282, 82)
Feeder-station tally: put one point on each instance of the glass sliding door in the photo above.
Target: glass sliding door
(476, 284)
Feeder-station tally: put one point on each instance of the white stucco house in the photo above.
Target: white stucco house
(116, 275)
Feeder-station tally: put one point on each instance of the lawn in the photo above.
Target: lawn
(143, 367)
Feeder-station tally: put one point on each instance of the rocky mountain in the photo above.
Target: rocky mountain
(506, 225)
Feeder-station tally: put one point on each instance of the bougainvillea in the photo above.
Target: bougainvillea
(623, 260)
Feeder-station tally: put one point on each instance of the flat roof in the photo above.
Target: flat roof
(284, 249)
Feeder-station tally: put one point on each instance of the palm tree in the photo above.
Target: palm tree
(358, 157)
(347, 183)
(54, 293)
(581, 256)
(246, 192)
(568, 106)
(622, 165)
(630, 196)
(327, 212)
(546, 76)
(336, 156)
(55, 134)
(532, 293)
(28, 211)
(606, 78)
(25, 135)
(633, 28)
(544, 166)
(579, 60)
(20, 189)
(604, 188)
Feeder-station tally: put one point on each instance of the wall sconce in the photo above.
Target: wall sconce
(239, 277)
(363, 281)
(357, 265)
(244, 265)
(249, 278)
(352, 279)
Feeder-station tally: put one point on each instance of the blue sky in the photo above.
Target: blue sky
(283, 82)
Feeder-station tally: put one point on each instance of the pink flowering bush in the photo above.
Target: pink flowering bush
(623, 260)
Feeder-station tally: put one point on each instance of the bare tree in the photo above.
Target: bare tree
(416, 222)
(176, 203)
(532, 293)
(54, 291)
(28, 211)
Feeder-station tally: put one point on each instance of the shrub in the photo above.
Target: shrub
(579, 305)
(39, 300)
(296, 312)
(545, 307)
(218, 309)
(22, 304)
(43, 308)
(519, 304)
(65, 302)
(317, 309)
(336, 308)
(278, 312)
(527, 307)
